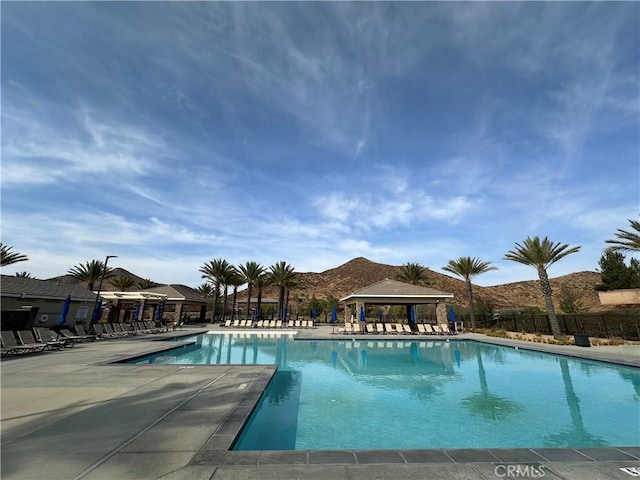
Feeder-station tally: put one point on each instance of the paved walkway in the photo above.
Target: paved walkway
(73, 414)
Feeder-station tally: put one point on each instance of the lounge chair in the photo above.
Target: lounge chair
(437, 329)
(26, 338)
(65, 333)
(11, 346)
(389, 328)
(399, 328)
(273, 324)
(371, 328)
(111, 332)
(429, 329)
(421, 329)
(406, 328)
(279, 324)
(259, 324)
(357, 328)
(379, 328)
(235, 324)
(297, 325)
(445, 329)
(45, 335)
(227, 323)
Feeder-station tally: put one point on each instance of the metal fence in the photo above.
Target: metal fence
(607, 325)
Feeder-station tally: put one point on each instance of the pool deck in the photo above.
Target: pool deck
(73, 414)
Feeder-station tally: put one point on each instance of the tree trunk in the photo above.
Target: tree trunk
(249, 287)
(472, 313)
(216, 286)
(259, 303)
(545, 286)
(235, 298)
(224, 304)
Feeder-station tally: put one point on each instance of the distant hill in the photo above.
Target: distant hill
(106, 286)
(361, 272)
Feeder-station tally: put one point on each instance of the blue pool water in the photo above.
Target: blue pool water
(362, 394)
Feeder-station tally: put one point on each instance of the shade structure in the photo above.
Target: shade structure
(62, 319)
(362, 317)
(334, 314)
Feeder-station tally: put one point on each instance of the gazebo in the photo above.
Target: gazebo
(393, 292)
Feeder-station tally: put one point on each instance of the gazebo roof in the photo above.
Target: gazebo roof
(392, 291)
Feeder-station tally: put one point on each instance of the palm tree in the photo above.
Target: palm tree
(261, 282)
(415, 274)
(214, 271)
(540, 255)
(250, 272)
(235, 280)
(90, 272)
(146, 283)
(467, 268)
(282, 274)
(23, 275)
(627, 241)
(122, 282)
(7, 256)
(228, 277)
(205, 290)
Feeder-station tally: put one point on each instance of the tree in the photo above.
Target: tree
(8, 257)
(122, 282)
(23, 275)
(540, 254)
(261, 282)
(467, 268)
(214, 272)
(282, 274)
(229, 276)
(250, 272)
(415, 274)
(90, 272)
(627, 241)
(235, 280)
(146, 283)
(205, 290)
(615, 273)
(569, 300)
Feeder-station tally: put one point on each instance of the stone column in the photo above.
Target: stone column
(441, 313)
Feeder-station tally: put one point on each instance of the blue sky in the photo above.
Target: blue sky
(171, 134)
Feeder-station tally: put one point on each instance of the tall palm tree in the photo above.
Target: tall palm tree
(7, 256)
(467, 268)
(261, 282)
(90, 272)
(122, 282)
(415, 274)
(214, 271)
(235, 280)
(228, 277)
(250, 272)
(281, 275)
(627, 241)
(205, 290)
(540, 254)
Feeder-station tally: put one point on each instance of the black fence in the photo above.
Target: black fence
(607, 325)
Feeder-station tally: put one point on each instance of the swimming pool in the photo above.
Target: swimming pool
(380, 394)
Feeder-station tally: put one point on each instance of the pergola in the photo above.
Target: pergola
(393, 292)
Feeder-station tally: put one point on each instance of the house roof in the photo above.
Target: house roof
(20, 287)
(179, 292)
(393, 291)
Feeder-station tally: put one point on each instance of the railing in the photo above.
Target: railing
(607, 325)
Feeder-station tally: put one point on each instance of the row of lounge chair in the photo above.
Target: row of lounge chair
(269, 324)
(397, 328)
(39, 339)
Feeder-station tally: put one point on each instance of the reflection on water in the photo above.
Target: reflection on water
(368, 394)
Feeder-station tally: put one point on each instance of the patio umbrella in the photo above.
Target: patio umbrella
(136, 312)
(452, 315)
(159, 310)
(413, 314)
(62, 319)
(334, 314)
(380, 315)
(314, 313)
(362, 317)
(96, 313)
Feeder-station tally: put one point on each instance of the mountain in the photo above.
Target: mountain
(106, 286)
(361, 272)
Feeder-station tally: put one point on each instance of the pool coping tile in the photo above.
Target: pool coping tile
(605, 454)
(364, 457)
(425, 456)
(470, 455)
(325, 457)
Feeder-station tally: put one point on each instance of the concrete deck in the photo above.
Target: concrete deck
(73, 414)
